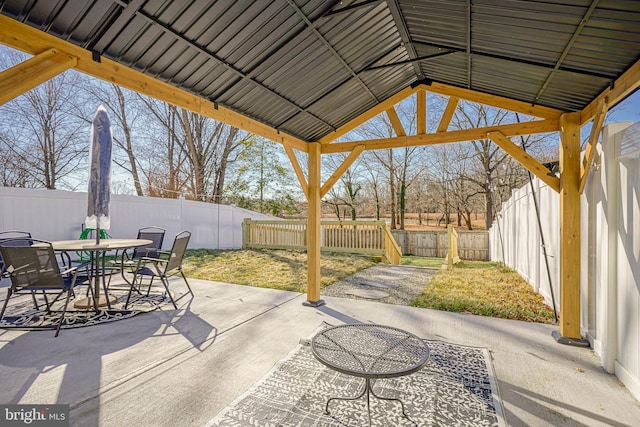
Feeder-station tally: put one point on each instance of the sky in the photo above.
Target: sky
(627, 110)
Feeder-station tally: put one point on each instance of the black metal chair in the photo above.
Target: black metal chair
(156, 235)
(20, 237)
(33, 269)
(167, 264)
(127, 261)
(24, 238)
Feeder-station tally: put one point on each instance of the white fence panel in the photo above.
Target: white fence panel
(515, 235)
(59, 215)
(609, 245)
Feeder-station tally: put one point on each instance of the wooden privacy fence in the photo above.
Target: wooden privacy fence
(472, 245)
(364, 237)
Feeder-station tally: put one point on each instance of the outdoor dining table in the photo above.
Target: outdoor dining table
(97, 263)
(369, 351)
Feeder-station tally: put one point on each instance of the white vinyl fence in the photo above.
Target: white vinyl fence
(59, 215)
(610, 249)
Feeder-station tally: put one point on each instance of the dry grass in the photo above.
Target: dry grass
(277, 269)
(485, 289)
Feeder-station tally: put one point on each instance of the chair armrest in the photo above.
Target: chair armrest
(148, 259)
(70, 270)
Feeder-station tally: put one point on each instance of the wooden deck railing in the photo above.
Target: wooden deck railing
(365, 237)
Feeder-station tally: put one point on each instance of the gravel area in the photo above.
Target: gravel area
(392, 284)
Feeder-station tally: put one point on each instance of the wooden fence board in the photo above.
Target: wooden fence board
(472, 245)
(365, 237)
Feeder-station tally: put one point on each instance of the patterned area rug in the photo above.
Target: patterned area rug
(21, 313)
(456, 387)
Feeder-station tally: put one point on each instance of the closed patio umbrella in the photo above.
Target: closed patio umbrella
(99, 191)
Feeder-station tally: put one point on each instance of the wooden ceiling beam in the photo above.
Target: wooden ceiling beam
(33, 41)
(590, 151)
(368, 115)
(421, 112)
(621, 88)
(529, 163)
(493, 100)
(297, 169)
(514, 129)
(33, 72)
(346, 163)
(395, 122)
(447, 114)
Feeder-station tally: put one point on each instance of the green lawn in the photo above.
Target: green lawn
(481, 288)
(418, 261)
(276, 269)
(485, 289)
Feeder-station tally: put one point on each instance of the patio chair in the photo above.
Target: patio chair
(24, 238)
(127, 261)
(153, 233)
(164, 266)
(20, 237)
(33, 269)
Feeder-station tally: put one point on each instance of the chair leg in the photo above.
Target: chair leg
(185, 281)
(165, 282)
(133, 284)
(6, 301)
(35, 301)
(150, 283)
(64, 310)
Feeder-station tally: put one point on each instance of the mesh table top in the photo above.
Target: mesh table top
(370, 350)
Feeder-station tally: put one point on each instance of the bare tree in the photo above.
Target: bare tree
(42, 137)
(197, 151)
(346, 194)
(492, 170)
(403, 165)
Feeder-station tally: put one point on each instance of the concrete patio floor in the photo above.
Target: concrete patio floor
(180, 368)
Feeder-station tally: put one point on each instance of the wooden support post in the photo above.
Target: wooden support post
(421, 112)
(313, 228)
(570, 231)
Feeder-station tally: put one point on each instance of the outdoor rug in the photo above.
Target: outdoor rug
(21, 313)
(456, 387)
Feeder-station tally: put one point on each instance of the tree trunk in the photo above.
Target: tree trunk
(392, 189)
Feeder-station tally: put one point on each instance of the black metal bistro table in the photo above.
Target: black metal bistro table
(371, 352)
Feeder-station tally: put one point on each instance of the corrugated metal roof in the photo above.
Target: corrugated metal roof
(308, 66)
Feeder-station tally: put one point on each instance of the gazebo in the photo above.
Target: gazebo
(304, 73)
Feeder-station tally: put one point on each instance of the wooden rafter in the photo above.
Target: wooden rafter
(448, 113)
(297, 169)
(335, 176)
(421, 112)
(395, 122)
(368, 115)
(33, 41)
(598, 121)
(521, 156)
(34, 71)
(622, 87)
(493, 100)
(515, 129)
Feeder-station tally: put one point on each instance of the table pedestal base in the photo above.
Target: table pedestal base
(86, 303)
(366, 390)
